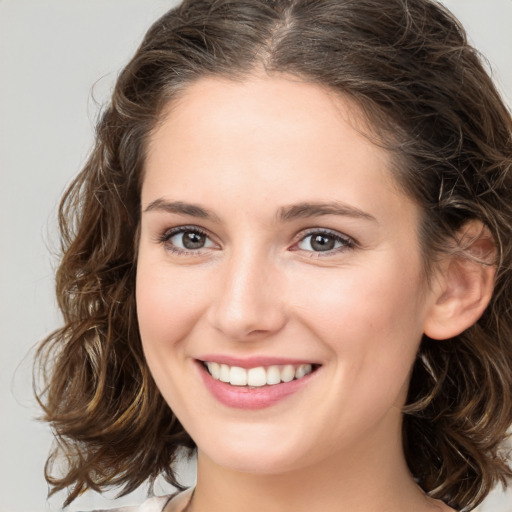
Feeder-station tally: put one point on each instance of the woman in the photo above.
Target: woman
(290, 250)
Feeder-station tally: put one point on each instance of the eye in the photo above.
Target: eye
(324, 241)
(186, 239)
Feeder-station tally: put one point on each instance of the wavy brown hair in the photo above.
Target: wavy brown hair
(429, 99)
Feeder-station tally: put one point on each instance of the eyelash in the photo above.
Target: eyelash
(346, 242)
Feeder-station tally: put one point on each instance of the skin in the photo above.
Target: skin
(244, 152)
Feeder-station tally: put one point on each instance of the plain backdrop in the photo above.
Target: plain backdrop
(58, 61)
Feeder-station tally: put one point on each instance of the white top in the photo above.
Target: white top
(156, 504)
(177, 502)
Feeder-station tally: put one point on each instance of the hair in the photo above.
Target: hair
(408, 66)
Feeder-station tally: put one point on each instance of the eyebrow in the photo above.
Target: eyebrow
(285, 213)
(181, 208)
(307, 210)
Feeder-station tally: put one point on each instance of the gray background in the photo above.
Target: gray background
(58, 60)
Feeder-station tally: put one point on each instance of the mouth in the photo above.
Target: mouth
(260, 376)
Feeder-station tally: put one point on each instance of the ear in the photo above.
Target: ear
(464, 283)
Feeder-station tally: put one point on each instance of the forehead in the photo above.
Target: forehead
(262, 115)
(279, 139)
(268, 98)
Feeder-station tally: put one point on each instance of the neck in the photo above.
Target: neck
(369, 478)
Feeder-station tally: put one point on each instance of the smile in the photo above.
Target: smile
(259, 376)
(254, 383)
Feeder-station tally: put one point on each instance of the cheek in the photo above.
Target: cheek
(168, 308)
(371, 320)
(167, 305)
(354, 301)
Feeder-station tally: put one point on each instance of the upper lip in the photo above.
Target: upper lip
(254, 361)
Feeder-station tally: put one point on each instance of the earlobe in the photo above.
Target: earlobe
(464, 283)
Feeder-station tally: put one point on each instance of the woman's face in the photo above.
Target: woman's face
(274, 245)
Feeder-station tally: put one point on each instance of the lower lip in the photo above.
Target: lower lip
(242, 397)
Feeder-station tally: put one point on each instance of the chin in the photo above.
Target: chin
(258, 454)
(256, 463)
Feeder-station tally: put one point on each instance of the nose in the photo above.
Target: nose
(248, 303)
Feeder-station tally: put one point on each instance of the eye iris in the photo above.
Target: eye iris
(322, 242)
(192, 240)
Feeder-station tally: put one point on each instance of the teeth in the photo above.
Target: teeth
(237, 376)
(288, 373)
(303, 370)
(214, 369)
(259, 376)
(273, 375)
(224, 373)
